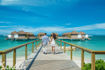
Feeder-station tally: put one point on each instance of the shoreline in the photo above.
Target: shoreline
(9, 61)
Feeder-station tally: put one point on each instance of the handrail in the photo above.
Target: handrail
(86, 49)
(82, 53)
(99, 52)
(11, 49)
(3, 53)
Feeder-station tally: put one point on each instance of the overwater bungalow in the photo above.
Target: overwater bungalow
(21, 35)
(74, 35)
(30, 35)
(66, 34)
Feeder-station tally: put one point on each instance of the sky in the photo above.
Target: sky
(52, 16)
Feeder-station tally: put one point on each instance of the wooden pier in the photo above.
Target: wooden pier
(58, 61)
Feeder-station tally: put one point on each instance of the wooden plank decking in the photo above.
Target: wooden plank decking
(58, 61)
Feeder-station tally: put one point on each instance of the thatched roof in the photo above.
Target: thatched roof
(82, 33)
(29, 33)
(22, 32)
(74, 32)
(14, 32)
(67, 33)
(41, 34)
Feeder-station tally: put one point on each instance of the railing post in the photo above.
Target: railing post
(14, 57)
(32, 47)
(4, 60)
(39, 42)
(93, 61)
(82, 58)
(71, 52)
(64, 47)
(36, 44)
(26, 52)
(61, 44)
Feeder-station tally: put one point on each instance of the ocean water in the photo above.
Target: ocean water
(6, 44)
(96, 43)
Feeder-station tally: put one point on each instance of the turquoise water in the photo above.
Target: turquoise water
(96, 43)
(6, 44)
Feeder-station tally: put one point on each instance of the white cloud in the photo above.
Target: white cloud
(8, 2)
(36, 2)
(68, 24)
(91, 27)
(7, 26)
(53, 29)
(62, 29)
(2, 22)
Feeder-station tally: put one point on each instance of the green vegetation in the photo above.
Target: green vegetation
(8, 68)
(99, 65)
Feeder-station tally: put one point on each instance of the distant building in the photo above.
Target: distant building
(75, 35)
(66, 34)
(21, 35)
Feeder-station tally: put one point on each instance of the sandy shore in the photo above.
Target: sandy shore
(9, 61)
(20, 61)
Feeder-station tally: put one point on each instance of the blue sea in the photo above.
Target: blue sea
(96, 43)
(6, 44)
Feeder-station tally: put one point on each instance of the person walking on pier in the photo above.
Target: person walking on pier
(52, 42)
(45, 41)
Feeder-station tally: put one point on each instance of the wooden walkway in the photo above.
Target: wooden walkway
(58, 61)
